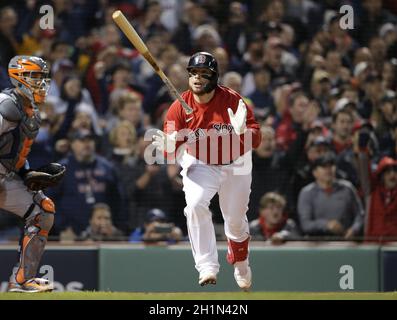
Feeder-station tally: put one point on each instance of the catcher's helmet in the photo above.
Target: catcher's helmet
(31, 76)
(207, 61)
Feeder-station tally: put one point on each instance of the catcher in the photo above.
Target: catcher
(21, 187)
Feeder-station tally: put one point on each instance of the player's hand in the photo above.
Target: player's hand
(239, 118)
(165, 142)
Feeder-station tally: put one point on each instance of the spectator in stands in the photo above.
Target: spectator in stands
(273, 223)
(330, 206)
(296, 120)
(233, 80)
(150, 184)
(156, 228)
(385, 120)
(194, 15)
(42, 150)
(206, 38)
(373, 94)
(342, 134)
(337, 73)
(61, 69)
(388, 33)
(269, 172)
(122, 79)
(321, 91)
(261, 96)
(129, 108)
(222, 57)
(89, 179)
(149, 22)
(101, 227)
(273, 60)
(301, 176)
(253, 57)
(123, 154)
(74, 110)
(60, 50)
(389, 74)
(8, 23)
(157, 92)
(236, 29)
(378, 49)
(380, 191)
(372, 17)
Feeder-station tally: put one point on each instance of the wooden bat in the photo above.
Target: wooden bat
(132, 35)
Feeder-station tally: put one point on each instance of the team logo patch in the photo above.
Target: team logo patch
(201, 58)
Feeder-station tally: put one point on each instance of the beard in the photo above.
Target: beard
(198, 92)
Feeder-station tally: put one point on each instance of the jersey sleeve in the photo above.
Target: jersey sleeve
(174, 119)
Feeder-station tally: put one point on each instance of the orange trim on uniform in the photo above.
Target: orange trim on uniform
(43, 233)
(23, 154)
(48, 205)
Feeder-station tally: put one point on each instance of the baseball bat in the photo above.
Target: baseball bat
(132, 35)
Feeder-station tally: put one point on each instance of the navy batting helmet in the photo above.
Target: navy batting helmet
(205, 60)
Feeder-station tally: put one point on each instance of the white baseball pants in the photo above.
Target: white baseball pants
(200, 183)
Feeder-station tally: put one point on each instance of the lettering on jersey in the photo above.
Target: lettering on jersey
(223, 128)
(196, 135)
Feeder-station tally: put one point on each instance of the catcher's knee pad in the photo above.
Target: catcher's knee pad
(45, 204)
(237, 251)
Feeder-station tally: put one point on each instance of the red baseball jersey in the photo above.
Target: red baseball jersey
(207, 132)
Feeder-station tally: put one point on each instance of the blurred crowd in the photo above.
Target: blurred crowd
(325, 98)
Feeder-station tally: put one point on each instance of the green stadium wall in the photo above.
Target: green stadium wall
(310, 267)
(154, 269)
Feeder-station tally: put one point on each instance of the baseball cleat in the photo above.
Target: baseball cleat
(244, 280)
(207, 278)
(31, 286)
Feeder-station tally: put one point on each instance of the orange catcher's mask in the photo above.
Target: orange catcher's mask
(31, 76)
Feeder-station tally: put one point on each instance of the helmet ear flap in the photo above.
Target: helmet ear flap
(211, 85)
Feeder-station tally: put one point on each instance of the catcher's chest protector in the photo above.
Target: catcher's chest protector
(15, 144)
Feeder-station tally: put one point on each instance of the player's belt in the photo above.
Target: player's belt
(223, 164)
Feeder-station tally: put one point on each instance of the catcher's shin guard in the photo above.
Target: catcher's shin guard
(35, 238)
(237, 251)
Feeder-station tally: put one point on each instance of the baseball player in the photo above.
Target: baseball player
(20, 187)
(210, 165)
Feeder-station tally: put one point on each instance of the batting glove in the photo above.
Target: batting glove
(165, 142)
(238, 119)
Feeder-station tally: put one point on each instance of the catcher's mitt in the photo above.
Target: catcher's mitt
(46, 176)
